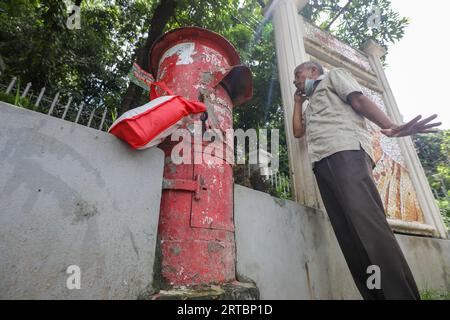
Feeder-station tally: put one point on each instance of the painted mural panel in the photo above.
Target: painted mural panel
(391, 175)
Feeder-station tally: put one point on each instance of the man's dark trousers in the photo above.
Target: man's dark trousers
(357, 215)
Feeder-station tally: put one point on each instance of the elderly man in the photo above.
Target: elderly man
(342, 159)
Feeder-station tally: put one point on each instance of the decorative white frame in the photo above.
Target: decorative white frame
(290, 40)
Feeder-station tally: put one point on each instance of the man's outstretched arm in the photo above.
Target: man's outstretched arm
(364, 106)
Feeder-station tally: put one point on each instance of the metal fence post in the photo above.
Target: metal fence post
(66, 108)
(24, 94)
(11, 85)
(41, 94)
(55, 100)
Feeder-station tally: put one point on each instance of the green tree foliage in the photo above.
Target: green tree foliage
(351, 25)
(433, 150)
(93, 61)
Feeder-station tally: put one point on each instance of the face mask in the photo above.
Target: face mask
(309, 85)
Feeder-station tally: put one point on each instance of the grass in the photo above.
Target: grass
(434, 295)
(16, 100)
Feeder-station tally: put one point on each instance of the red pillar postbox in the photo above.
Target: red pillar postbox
(196, 226)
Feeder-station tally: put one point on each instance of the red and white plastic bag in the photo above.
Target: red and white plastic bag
(150, 124)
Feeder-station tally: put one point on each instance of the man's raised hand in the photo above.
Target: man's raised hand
(412, 127)
(299, 96)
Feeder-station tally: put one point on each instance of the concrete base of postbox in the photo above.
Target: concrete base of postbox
(228, 291)
(240, 289)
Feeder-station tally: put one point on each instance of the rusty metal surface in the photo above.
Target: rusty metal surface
(196, 225)
(203, 57)
(209, 212)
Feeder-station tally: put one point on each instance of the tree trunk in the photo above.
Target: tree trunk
(163, 12)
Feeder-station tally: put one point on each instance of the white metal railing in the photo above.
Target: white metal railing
(280, 181)
(80, 113)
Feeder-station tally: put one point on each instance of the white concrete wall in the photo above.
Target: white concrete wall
(290, 251)
(429, 259)
(71, 195)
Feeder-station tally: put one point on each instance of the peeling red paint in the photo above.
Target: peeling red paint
(196, 225)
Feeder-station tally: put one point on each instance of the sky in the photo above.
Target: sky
(419, 88)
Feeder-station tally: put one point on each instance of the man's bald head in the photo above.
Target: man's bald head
(308, 69)
(308, 65)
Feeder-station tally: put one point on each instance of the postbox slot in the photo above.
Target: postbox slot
(186, 185)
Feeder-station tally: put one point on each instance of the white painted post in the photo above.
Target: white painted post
(79, 111)
(11, 85)
(25, 92)
(276, 180)
(103, 119)
(427, 202)
(91, 117)
(66, 108)
(41, 94)
(55, 100)
(289, 33)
